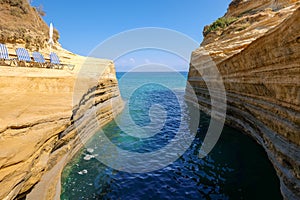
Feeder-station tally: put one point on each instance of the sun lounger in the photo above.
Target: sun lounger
(4, 56)
(54, 61)
(23, 57)
(39, 59)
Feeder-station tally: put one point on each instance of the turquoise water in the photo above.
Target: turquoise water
(237, 167)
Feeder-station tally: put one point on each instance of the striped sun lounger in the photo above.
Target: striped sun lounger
(39, 59)
(23, 57)
(54, 61)
(4, 56)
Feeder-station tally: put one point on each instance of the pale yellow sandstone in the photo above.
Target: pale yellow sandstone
(260, 68)
(38, 113)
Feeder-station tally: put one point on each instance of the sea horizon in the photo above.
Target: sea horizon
(138, 100)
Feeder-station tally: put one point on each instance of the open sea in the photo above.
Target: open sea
(236, 168)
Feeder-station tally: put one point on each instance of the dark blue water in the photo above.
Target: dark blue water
(237, 167)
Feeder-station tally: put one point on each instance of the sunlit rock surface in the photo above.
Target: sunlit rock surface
(258, 57)
(45, 117)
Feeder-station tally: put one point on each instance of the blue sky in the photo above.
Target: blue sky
(85, 24)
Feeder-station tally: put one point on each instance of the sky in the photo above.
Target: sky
(83, 25)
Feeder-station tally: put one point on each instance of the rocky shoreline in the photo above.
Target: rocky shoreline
(44, 123)
(259, 65)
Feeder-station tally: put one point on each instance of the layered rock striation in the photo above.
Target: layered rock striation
(257, 53)
(46, 115)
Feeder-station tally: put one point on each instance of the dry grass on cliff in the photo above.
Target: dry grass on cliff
(22, 24)
(17, 7)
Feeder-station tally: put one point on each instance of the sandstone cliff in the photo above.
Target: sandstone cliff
(43, 122)
(46, 114)
(256, 48)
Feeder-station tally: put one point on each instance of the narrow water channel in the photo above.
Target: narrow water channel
(237, 167)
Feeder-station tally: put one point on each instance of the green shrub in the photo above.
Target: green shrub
(220, 23)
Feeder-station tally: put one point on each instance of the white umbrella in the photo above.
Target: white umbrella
(51, 42)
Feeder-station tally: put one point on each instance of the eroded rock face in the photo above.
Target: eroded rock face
(43, 123)
(22, 24)
(242, 7)
(260, 68)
